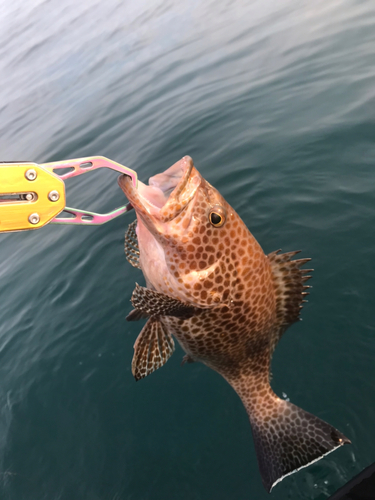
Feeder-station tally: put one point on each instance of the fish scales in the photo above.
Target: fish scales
(210, 285)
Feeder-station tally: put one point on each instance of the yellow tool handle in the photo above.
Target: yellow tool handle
(30, 196)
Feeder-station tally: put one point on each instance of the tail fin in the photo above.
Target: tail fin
(288, 438)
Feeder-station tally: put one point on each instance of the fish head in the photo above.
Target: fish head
(184, 227)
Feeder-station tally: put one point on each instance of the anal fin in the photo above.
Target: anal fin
(152, 349)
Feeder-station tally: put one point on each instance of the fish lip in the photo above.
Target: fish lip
(144, 205)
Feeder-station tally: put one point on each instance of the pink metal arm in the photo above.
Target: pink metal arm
(84, 217)
(78, 166)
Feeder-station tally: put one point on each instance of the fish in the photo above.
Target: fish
(210, 286)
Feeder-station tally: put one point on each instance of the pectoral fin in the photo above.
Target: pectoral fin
(136, 315)
(131, 245)
(152, 349)
(153, 303)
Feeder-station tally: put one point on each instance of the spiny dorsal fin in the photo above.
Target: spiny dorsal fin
(153, 303)
(131, 245)
(152, 349)
(290, 290)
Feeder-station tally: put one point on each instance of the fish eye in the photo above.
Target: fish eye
(217, 217)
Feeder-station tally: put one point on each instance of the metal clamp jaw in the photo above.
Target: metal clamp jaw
(33, 195)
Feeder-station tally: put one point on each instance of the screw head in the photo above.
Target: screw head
(53, 195)
(29, 197)
(34, 218)
(31, 174)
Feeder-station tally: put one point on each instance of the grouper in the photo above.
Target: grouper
(210, 286)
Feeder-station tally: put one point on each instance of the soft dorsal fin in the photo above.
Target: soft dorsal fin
(152, 349)
(290, 289)
(131, 245)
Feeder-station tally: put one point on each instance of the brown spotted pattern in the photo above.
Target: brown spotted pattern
(247, 299)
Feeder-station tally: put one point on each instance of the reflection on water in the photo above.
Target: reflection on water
(275, 103)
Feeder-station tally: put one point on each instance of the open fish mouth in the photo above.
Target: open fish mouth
(167, 193)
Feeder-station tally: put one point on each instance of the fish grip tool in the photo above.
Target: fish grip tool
(33, 195)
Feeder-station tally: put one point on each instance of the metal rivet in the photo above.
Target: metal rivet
(34, 218)
(53, 195)
(31, 174)
(29, 197)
